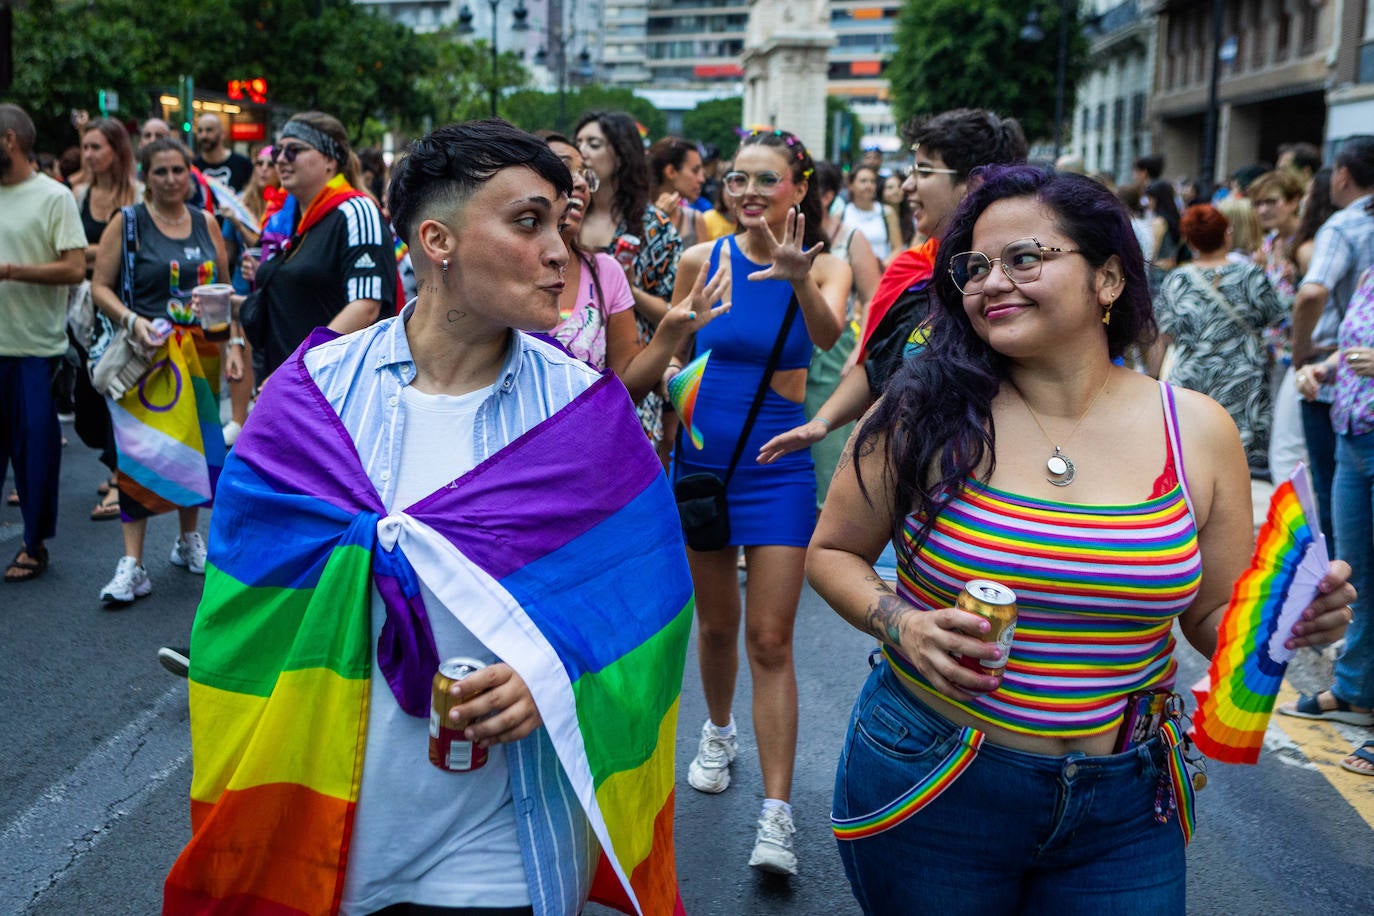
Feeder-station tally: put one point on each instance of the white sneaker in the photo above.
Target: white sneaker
(710, 770)
(231, 432)
(773, 845)
(130, 581)
(189, 551)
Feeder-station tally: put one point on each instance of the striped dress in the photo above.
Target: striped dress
(1098, 588)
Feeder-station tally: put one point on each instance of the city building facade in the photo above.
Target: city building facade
(1109, 125)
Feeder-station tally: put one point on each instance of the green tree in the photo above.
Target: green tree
(535, 110)
(715, 122)
(970, 53)
(456, 86)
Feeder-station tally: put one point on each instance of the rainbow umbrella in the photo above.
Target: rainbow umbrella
(682, 393)
(1236, 698)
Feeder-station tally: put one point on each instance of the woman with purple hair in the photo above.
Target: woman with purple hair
(1036, 772)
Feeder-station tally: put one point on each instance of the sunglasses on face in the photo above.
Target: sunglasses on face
(289, 153)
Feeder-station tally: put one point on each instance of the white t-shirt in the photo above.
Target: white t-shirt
(39, 223)
(873, 224)
(423, 835)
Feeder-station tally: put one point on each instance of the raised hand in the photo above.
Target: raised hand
(790, 261)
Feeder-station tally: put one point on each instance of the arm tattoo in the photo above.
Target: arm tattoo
(884, 617)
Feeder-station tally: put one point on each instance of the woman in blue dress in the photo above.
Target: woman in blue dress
(776, 254)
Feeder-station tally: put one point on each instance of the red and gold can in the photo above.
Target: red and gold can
(448, 749)
(997, 604)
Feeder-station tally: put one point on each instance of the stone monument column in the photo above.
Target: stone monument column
(786, 68)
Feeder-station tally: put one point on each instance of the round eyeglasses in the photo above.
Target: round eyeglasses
(766, 183)
(1021, 260)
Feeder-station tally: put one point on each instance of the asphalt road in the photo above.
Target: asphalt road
(94, 765)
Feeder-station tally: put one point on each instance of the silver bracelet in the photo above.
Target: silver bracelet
(129, 318)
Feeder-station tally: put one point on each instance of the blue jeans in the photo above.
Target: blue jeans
(1352, 494)
(1014, 833)
(31, 441)
(1321, 452)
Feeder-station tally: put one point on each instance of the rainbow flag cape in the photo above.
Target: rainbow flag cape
(579, 581)
(1236, 698)
(167, 429)
(682, 392)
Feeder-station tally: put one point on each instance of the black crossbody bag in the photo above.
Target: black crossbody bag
(701, 497)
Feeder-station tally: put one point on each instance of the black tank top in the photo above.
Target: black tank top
(166, 270)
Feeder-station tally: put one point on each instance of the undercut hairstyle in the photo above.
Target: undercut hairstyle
(14, 118)
(1284, 183)
(123, 149)
(443, 169)
(669, 151)
(936, 417)
(802, 168)
(147, 151)
(1204, 227)
(966, 138)
(1357, 157)
(630, 179)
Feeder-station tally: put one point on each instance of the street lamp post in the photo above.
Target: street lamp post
(519, 23)
(1033, 33)
(560, 43)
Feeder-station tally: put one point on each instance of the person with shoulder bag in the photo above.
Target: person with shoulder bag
(159, 373)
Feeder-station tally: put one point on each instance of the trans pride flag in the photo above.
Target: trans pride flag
(577, 579)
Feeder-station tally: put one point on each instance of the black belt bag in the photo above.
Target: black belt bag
(700, 497)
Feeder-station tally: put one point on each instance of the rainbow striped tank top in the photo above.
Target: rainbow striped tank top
(1098, 588)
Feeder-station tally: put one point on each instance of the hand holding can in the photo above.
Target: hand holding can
(997, 604)
(449, 748)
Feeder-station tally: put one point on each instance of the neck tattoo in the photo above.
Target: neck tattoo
(1060, 467)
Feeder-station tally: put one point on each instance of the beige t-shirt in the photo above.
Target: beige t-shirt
(40, 223)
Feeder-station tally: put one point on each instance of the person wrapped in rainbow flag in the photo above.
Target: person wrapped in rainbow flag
(430, 486)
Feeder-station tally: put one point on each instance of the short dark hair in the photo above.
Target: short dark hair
(1152, 165)
(828, 177)
(447, 165)
(966, 138)
(147, 151)
(1357, 157)
(14, 118)
(1306, 156)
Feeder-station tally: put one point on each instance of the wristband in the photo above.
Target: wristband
(237, 342)
(823, 421)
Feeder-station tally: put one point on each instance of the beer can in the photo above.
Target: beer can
(448, 749)
(627, 249)
(997, 604)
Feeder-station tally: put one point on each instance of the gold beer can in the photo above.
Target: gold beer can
(996, 603)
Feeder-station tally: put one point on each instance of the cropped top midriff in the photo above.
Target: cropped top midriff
(1097, 587)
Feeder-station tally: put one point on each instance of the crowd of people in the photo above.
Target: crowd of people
(974, 369)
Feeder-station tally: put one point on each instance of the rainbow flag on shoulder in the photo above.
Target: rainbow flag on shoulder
(575, 578)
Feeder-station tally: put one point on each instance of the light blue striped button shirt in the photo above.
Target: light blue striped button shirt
(361, 375)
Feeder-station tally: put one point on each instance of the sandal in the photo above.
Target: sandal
(1309, 707)
(1364, 752)
(107, 508)
(13, 498)
(31, 568)
(106, 486)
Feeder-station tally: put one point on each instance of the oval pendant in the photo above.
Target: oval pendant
(1061, 469)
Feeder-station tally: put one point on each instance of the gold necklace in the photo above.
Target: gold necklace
(1060, 466)
(185, 215)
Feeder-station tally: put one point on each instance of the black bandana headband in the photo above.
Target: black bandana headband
(299, 130)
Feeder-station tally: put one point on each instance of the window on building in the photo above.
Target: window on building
(1283, 34)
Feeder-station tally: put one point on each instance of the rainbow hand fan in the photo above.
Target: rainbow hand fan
(1236, 699)
(682, 392)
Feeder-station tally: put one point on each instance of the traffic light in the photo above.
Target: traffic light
(186, 92)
